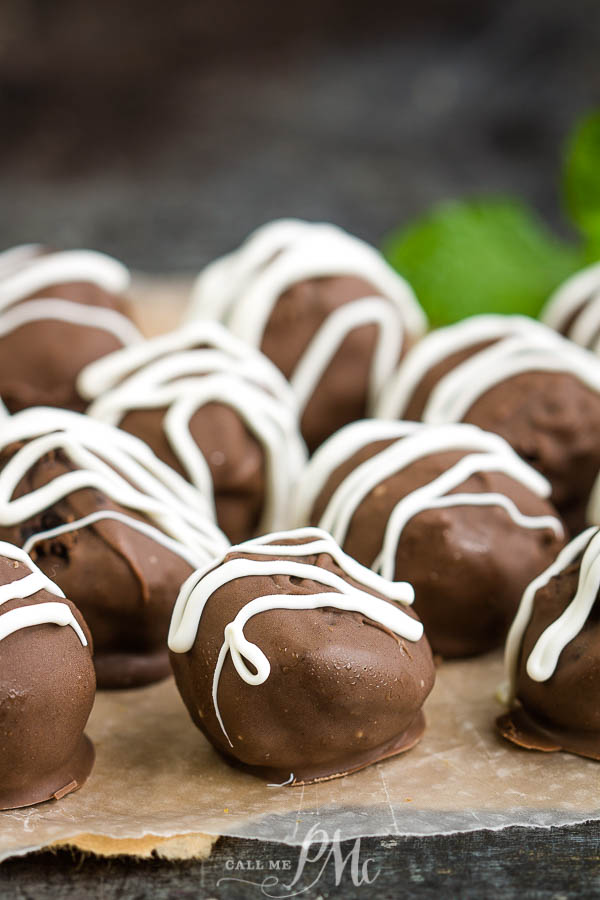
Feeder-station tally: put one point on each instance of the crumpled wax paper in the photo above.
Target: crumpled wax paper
(156, 774)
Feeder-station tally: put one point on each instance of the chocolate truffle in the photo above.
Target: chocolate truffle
(217, 411)
(520, 379)
(58, 312)
(324, 307)
(296, 662)
(553, 656)
(574, 309)
(47, 686)
(450, 507)
(115, 527)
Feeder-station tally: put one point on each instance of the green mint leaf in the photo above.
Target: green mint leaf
(480, 256)
(582, 181)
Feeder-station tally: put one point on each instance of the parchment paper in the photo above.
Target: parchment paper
(156, 777)
(155, 774)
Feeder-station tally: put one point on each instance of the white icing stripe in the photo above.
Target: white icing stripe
(543, 659)
(117, 464)
(401, 454)
(441, 344)
(413, 442)
(15, 258)
(457, 391)
(328, 339)
(342, 445)
(58, 268)
(30, 584)
(244, 287)
(189, 379)
(587, 324)
(569, 296)
(219, 283)
(74, 313)
(39, 614)
(199, 588)
(199, 347)
(33, 614)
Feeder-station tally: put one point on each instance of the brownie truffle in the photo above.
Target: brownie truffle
(217, 411)
(520, 379)
(116, 528)
(574, 309)
(324, 307)
(553, 656)
(296, 662)
(451, 508)
(47, 686)
(58, 312)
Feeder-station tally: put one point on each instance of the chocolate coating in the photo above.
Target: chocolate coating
(47, 688)
(41, 359)
(342, 693)
(234, 456)
(124, 582)
(468, 565)
(551, 419)
(562, 713)
(342, 393)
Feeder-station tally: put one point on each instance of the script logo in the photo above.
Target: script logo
(318, 851)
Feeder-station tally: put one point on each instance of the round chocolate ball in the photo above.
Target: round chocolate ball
(59, 311)
(553, 656)
(324, 307)
(451, 508)
(214, 409)
(515, 377)
(47, 686)
(112, 525)
(297, 663)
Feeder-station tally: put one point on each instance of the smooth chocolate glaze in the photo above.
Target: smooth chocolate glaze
(343, 691)
(47, 688)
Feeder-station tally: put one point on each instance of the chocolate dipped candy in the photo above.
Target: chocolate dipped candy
(520, 379)
(214, 409)
(47, 686)
(58, 312)
(450, 507)
(552, 656)
(324, 306)
(296, 662)
(115, 527)
(574, 308)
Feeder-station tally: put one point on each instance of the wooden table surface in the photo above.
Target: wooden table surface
(515, 862)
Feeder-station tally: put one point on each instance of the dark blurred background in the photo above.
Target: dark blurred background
(163, 133)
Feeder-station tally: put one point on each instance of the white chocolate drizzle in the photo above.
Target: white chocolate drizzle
(14, 258)
(184, 371)
(412, 442)
(543, 659)
(243, 288)
(578, 298)
(439, 345)
(533, 348)
(200, 586)
(43, 271)
(34, 614)
(73, 313)
(115, 463)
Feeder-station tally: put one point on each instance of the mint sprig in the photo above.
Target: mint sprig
(496, 255)
(489, 255)
(582, 182)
